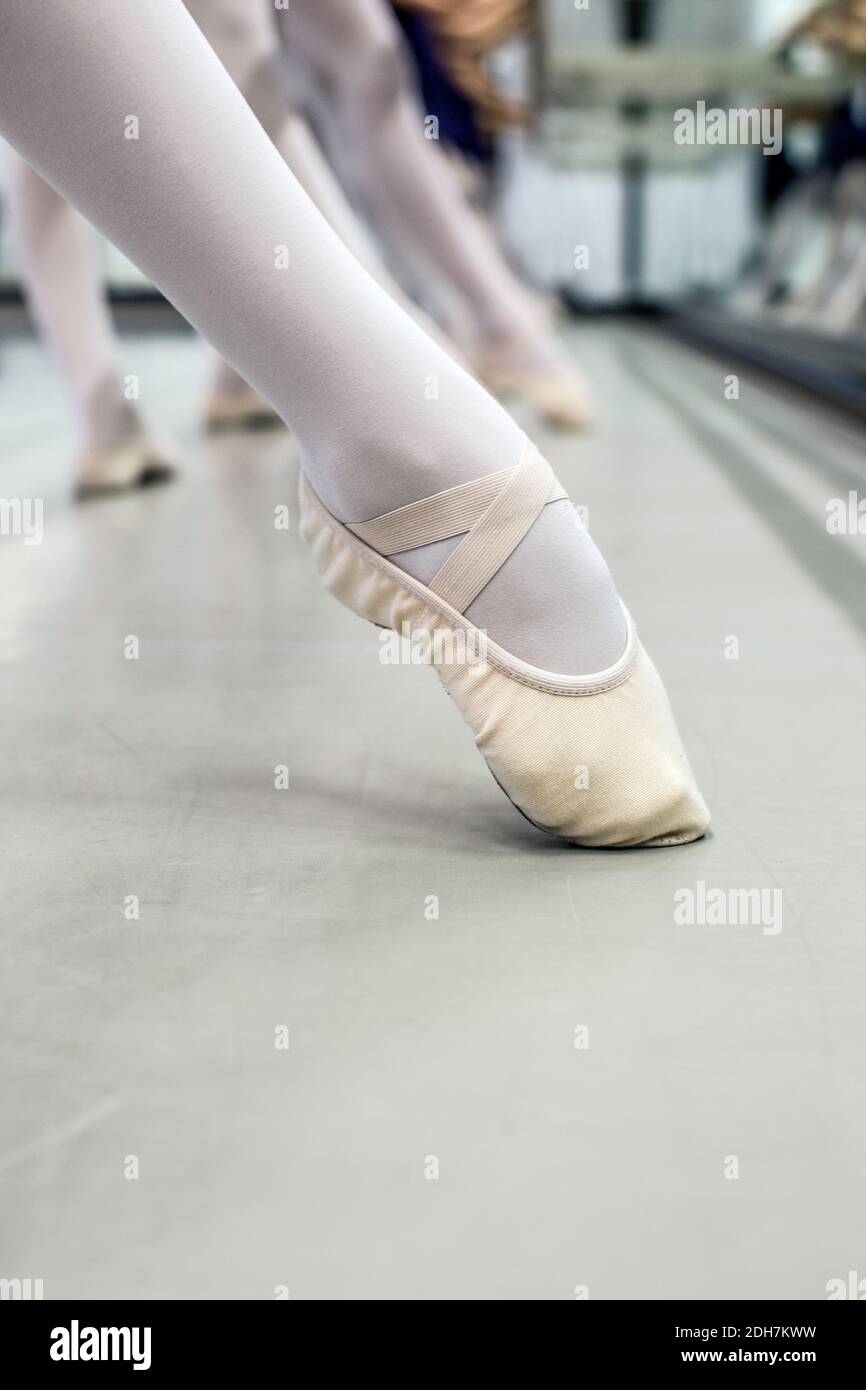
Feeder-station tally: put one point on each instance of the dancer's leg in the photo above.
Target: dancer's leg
(245, 39)
(243, 36)
(67, 301)
(125, 109)
(55, 254)
(305, 157)
(357, 51)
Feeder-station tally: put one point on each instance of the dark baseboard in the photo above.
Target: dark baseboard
(830, 367)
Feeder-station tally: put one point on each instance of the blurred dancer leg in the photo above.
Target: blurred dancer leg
(358, 55)
(65, 297)
(244, 38)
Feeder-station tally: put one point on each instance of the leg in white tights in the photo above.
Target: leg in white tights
(67, 302)
(64, 293)
(124, 108)
(357, 53)
(245, 39)
(56, 245)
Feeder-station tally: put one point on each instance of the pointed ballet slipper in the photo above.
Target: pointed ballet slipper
(595, 760)
(134, 463)
(240, 411)
(561, 398)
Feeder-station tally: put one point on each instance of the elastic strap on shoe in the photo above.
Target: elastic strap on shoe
(492, 513)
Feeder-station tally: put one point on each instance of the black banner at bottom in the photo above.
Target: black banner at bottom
(220, 1338)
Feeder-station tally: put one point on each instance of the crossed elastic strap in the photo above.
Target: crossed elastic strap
(495, 514)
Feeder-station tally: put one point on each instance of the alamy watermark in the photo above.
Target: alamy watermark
(77, 1343)
(23, 516)
(444, 646)
(851, 1287)
(729, 907)
(846, 516)
(740, 125)
(21, 1290)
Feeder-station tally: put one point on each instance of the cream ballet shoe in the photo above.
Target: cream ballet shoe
(241, 411)
(133, 463)
(593, 759)
(561, 396)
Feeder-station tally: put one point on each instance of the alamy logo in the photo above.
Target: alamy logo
(22, 516)
(729, 907)
(20, 1290)
(846, 516)
(740, 125)
(417, 646)
(852, 1287)
(75, 1343)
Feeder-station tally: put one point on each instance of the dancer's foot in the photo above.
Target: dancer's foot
(594, 759)
(540, 373)
(240, 410)
(136, 462)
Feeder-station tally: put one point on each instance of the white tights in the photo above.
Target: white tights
(64, 292)
(244, 37)
(124, 108)
(357, 54)
(55, 245)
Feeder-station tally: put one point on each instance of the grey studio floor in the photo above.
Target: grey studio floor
(438, 1127)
